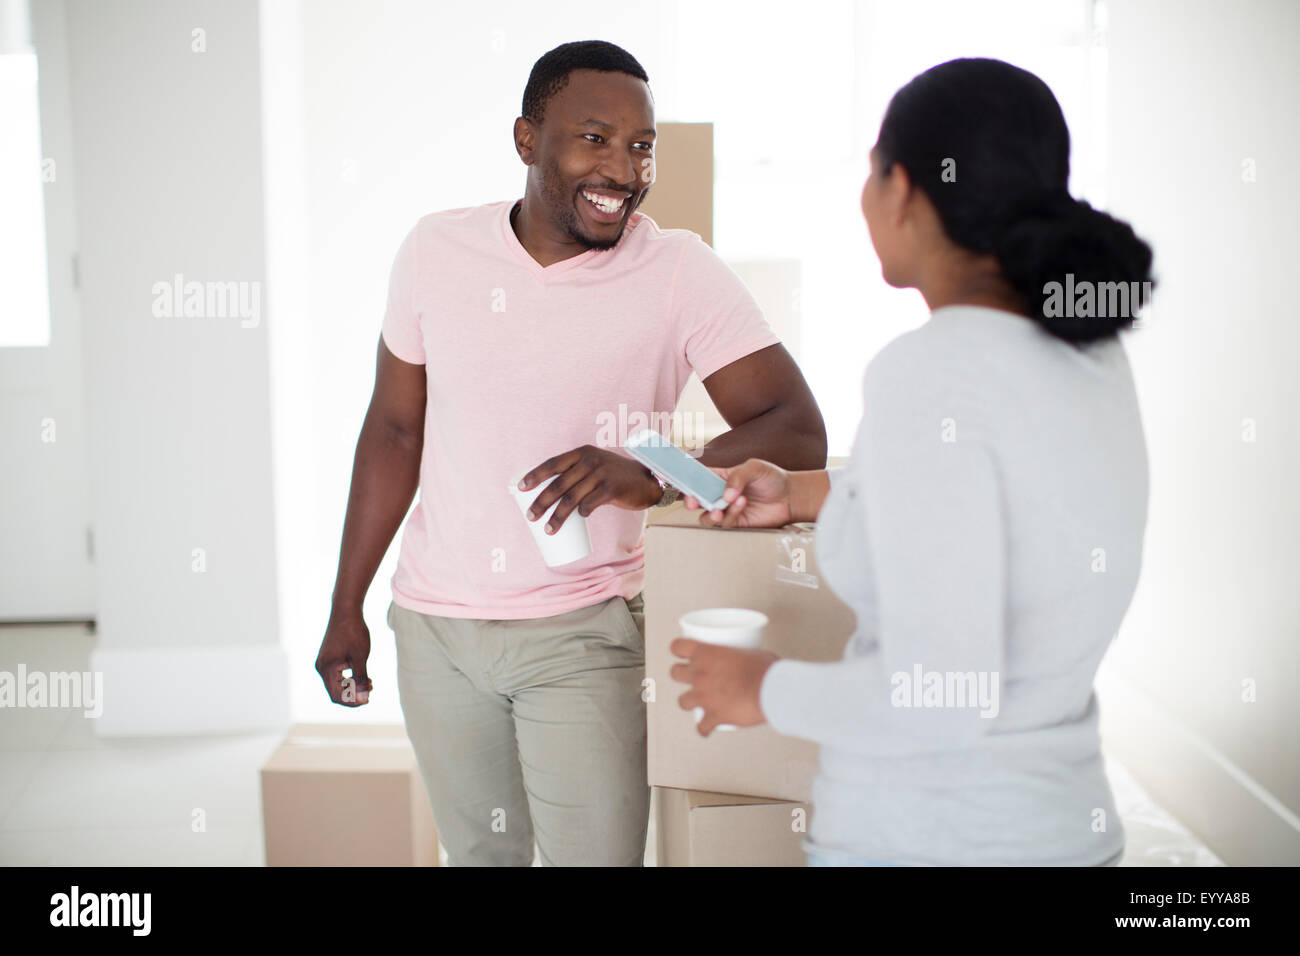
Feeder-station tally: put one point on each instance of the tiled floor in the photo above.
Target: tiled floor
(70, 798)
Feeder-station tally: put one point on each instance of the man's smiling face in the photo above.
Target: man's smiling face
(593, 155)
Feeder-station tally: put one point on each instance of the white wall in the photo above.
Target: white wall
(1197, 90)
(170, 181)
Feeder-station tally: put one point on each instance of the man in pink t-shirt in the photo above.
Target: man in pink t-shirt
(533, 337)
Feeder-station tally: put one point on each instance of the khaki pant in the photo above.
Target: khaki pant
(530, 729)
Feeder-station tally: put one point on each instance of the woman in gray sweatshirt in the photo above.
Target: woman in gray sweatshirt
(987, 530)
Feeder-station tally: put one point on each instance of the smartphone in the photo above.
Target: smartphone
(675, 467)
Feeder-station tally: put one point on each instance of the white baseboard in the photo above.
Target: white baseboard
(155, 691)
(1230, 811)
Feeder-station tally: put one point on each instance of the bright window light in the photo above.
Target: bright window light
(24, 281)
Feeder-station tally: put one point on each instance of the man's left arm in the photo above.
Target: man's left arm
(772, 413)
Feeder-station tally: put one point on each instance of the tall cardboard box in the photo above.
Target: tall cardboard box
(694, 828)
(346, 795)
(682, 194)
(682, 198)
(775, 571)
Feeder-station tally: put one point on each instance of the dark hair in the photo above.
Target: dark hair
(988, 145)
(551, 72)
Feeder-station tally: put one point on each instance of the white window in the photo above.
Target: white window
(24, 285)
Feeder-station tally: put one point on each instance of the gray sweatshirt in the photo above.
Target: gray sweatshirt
(987, 531)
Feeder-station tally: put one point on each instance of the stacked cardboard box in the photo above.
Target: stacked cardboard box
(696, 828)
(346, 795)
(719, 798)
(735, 798)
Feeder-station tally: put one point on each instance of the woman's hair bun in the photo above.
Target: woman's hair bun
(1083, 273)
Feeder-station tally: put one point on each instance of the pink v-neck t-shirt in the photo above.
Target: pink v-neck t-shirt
(526, 362)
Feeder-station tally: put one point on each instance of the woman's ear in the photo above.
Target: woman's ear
(898, 195)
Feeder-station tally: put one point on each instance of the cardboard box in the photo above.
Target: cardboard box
(346, 795)
(775, 571)
(694, 828)
(682, 194)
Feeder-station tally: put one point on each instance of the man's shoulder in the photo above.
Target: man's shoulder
(646, 231)
(679, 248)
(461, 219)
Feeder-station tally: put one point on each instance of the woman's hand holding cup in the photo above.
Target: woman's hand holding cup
(757, 495)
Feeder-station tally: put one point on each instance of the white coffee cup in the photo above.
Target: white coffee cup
(570, 543)
(726, 627)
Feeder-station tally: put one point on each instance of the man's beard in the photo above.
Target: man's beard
(566, 217)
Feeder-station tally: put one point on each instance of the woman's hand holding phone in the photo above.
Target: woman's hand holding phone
(758, 496)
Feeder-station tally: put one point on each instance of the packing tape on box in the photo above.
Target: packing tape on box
(793, 548)
(348, 741)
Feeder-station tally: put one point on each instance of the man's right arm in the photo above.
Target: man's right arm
(385, 476)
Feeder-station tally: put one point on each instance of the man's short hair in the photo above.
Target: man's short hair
(551, 72)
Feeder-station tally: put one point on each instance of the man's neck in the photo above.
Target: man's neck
(545, 248)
